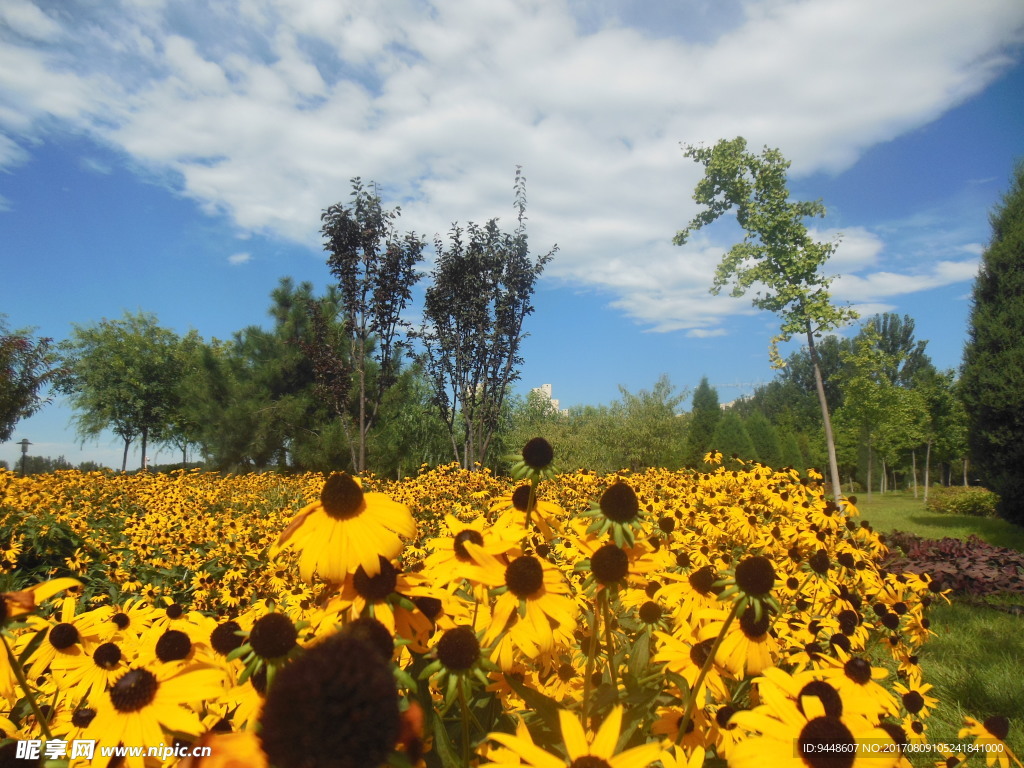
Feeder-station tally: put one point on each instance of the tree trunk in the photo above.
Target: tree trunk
(833, 463)
(913, 465)
(965, 472)
(124, 458)
(927, 466)
(871, 457)
(885, 478)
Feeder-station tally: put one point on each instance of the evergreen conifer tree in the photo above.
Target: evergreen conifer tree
(993, 390)
(704, 416)
(732, 440)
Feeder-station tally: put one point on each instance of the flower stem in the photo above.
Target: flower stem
(19, 673)
(684, 722)
(603, 598)
(591, 656)
(464, 710)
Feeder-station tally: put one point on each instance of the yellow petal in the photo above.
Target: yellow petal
(607, 735)
(573, 735)
(529, 751)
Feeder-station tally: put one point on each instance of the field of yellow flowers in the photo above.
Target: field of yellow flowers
(663, 618)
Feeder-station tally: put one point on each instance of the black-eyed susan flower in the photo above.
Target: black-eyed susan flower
(535, 461)
(345, 529)
(533, 599)
(144, 701)
(990, 738)
(618, 512)
(807, 734)
(336, 705)
(597, 751)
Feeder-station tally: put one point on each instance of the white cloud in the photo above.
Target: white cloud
(856, 288)
(264, 110)
(239, 258)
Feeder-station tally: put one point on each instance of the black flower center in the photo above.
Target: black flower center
(913, 702)
(134, 690)
(619, 503)
(273, 635)
(724, 715)
(700, 652)
(173, 645)
(82, 717)
(538, 453)
(848, 621)
(566, 672)
(458, 649)
(820, 741)
(819, 562)
(589, 761)
(107, 656)
(610, 564)
(341, 496)
(337, 705)
(459, 544)
(858, 670)
(521, 497)
(175, 611)
(650, 612)
(667, 524)
(63, 636)
(121, 620)
(753, 627)
(224, 638)
(375, 634)
(524, 576)
(826, 694)
(376, 588)
(998, 726)
(756, 576)
(702, 579)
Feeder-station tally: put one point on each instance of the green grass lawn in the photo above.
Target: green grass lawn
(976, 659)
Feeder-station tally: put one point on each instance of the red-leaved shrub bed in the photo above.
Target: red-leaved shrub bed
(972, 567)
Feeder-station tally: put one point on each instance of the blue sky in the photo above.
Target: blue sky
(174, 157)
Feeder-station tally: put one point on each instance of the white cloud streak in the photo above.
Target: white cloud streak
(264, 110)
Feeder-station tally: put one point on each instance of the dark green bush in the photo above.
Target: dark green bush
(962, 500)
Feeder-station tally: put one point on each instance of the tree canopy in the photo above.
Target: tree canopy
(992, 376)
(777, 254)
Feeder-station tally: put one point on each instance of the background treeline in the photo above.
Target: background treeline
(343, 381)
(254, 402)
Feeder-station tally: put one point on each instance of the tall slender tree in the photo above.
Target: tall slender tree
(777, 254)
(991, 382)
(705, 413)
(480, 294)
(376, 270)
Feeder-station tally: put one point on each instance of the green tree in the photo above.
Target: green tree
(732, 440)
(259, 407)
(764, 439)
(777, 253)
(474, 309)
(27, 366)
(705, 413)
(376, 270)
(122, 375)
(650, 429)
(994, 356)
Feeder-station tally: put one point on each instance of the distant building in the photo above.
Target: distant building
(544, 392)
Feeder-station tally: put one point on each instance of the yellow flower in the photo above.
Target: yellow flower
(600, 747)
(535, 597)
(990, 736)
(346, 529)
(143, 702)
